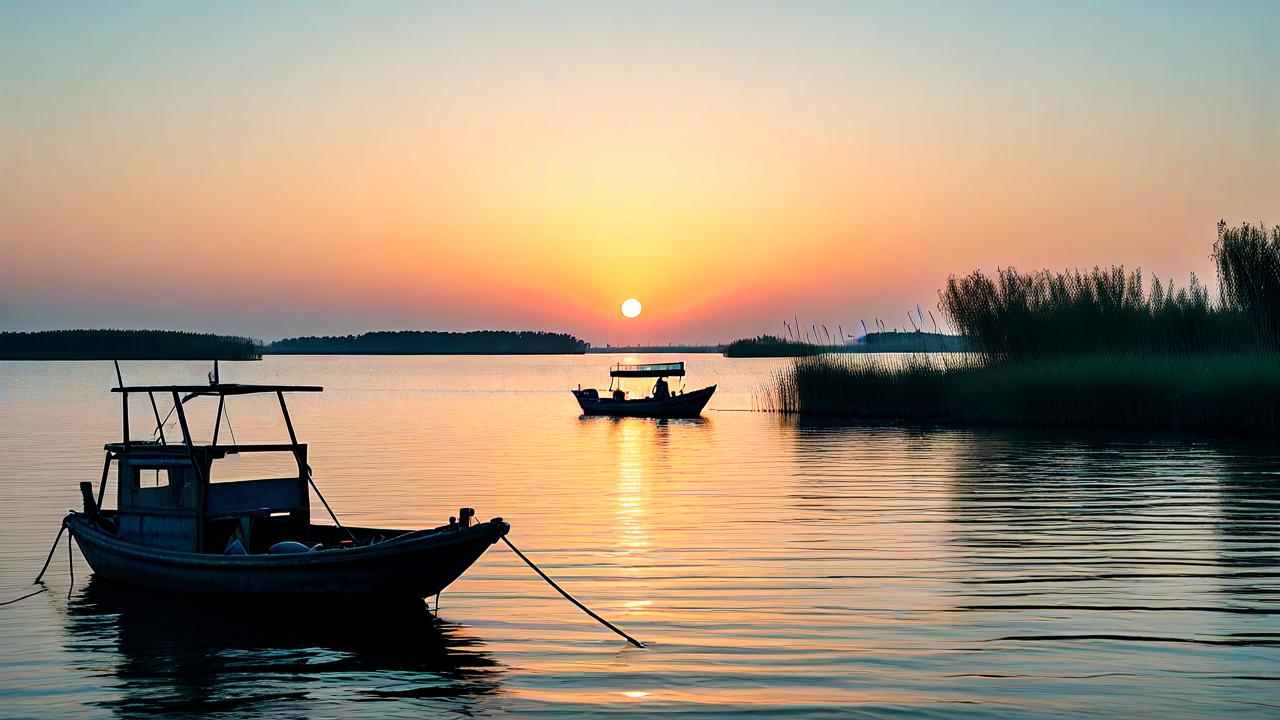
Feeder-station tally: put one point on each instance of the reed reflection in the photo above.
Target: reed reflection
(1043, 509)
(1095, 549)
(1249, 525)
(175, 656)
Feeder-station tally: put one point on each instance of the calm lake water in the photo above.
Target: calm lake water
(775, 568)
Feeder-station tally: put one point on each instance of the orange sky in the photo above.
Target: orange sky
(302, 168)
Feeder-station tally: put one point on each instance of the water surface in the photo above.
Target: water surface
(774, 568)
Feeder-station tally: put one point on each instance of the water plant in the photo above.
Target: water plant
(1096, 348)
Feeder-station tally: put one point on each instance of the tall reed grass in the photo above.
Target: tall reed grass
(1025, 316)
(1092, 348)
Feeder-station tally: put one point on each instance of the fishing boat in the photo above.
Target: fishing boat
(663, 403)
(178, 527)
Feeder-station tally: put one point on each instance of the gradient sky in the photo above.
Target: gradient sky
(278, 168)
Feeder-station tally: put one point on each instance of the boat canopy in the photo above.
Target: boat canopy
(217, 389)
(675, 369)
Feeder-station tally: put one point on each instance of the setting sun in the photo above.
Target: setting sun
(631, 307)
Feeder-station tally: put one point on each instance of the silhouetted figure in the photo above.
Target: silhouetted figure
(619, 395)
(660, 389)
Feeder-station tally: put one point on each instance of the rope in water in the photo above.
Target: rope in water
(55, 547)
(24, 597)
(47, 560)
(569, 597)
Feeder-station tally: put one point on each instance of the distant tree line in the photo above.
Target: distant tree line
(413, 342)
(126, 345)
(769, 346)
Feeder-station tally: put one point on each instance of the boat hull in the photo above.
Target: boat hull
(687, 405)
(418, 566)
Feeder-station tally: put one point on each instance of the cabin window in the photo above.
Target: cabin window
(163, 488)
(254, 466)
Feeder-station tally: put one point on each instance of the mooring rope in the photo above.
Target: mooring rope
(332, 514)
(71, 568)
(55, 547)
(569, 597)
(47, 560)
(24, 597)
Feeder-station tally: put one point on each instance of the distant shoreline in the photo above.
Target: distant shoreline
(48, 345)
(432, 342)
(107, 344)
(321, 353)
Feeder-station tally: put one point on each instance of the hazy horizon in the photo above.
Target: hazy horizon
(290, 169)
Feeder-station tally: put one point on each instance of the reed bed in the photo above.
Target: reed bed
(1234, 393)
(1084, 348)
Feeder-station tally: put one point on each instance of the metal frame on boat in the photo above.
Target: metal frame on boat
(187, 533)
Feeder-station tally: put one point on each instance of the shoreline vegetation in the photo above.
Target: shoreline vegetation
(769, 346)
(1079, 348)
(126, 345)
(181, 345)
(414, 342)
(765, 346)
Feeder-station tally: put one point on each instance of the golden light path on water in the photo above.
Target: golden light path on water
(771, 566)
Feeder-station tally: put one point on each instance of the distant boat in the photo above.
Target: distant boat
(176, 530)
(662, 404)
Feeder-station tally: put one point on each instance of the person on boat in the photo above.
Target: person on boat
(660, 389)
(619, 395)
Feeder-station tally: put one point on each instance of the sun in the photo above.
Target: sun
(631, 307)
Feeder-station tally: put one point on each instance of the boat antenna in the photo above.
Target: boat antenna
(119, 377)
(864, 328)
(913, 321)
(935, 322)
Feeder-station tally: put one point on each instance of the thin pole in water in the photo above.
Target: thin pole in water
(569, 597)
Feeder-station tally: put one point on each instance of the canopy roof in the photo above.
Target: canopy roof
(218, 389)
(675, 369)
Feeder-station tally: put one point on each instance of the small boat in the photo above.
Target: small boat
(177, 528)
(662, 404)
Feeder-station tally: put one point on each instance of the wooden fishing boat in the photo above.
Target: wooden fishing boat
(176, 527)
(662, 404)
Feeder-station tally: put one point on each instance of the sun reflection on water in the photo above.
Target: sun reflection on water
(638, 443)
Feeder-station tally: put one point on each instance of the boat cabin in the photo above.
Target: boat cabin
(166, 494)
